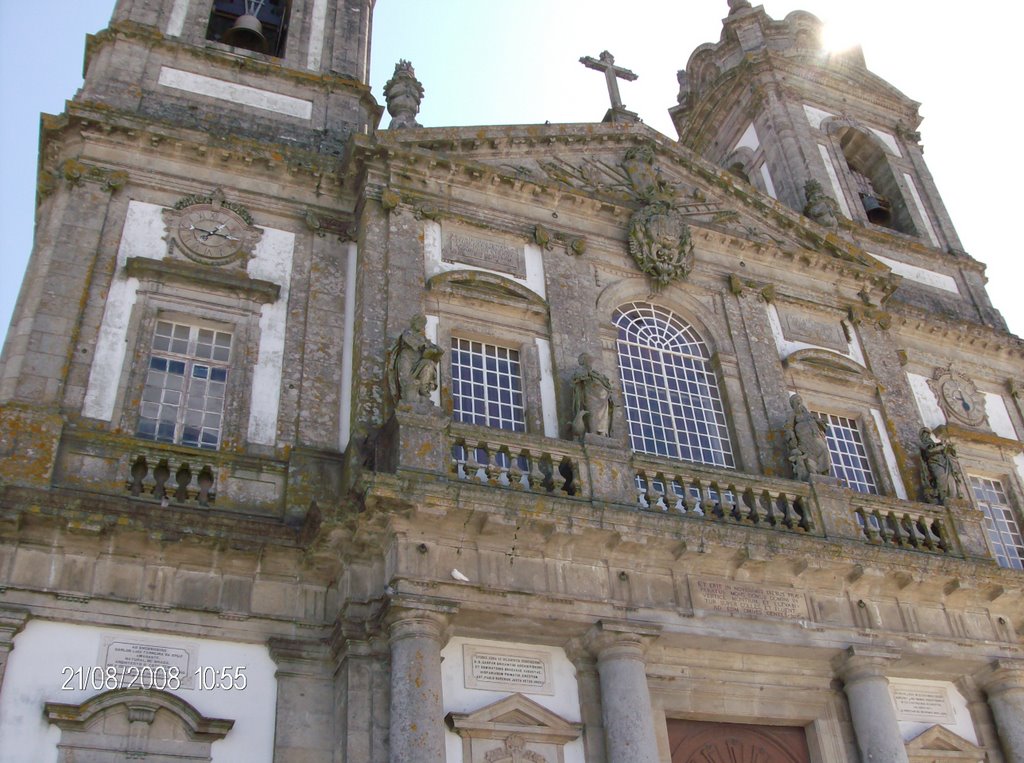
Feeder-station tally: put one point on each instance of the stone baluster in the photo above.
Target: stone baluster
(625, 698)
(417, 632)
(871, 709)
(1004, 685)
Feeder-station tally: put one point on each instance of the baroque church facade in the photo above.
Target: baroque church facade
(325, 441)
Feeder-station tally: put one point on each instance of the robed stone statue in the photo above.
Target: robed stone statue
(591, 399)
(808, 447)
(412, 364)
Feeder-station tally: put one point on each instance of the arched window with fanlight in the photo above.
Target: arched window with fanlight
(672, 402)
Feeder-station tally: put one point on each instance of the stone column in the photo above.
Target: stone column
(625, 698)
(1005, 688)
(417, 712)
(874, 716)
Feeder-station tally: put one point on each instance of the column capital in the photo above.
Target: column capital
(408, 617)
(613, 639)
(1002, 675)
(858, 663)
(298, 657)
(12, 620)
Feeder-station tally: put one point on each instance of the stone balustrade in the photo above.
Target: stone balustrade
(727, 498)
(914, 526)
(170, 478)
(515, 462)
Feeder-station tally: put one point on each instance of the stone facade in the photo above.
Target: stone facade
(242, 519)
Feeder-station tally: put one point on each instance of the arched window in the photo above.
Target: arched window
(673, 406)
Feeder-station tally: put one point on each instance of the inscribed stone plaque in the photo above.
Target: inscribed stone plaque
(129, 658)
(499, 669)
(799, 326)
(929, 704)
(746, 599)
(489, 253)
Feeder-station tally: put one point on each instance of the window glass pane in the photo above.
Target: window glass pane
(487, 385)
(672, 402)
(850, 464)
(1001, 525)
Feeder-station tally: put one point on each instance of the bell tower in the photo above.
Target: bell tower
(770, 104)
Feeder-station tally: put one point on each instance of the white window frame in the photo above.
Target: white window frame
(1003, 530)
(670, 379)
(851, 461)
(198, 353)
(495, 373)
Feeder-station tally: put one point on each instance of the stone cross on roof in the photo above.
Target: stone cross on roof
(612, 73)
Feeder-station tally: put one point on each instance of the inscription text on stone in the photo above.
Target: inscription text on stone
(483, 253)
(507, 670)
(744, 599)
(921, 703)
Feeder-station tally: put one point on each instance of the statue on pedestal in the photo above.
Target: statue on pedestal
(591, 400)
(808, 447)
(941, 475)
(820, 207)
(412, 364)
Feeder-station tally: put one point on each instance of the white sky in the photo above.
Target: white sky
(489, 62)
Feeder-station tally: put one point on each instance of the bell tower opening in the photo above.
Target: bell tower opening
(874, 182)
(257, 25)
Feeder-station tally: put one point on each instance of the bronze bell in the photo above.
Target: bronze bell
(247, 33)
(877, 209)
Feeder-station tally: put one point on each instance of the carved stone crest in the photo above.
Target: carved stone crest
(958, 397)
(659, 238)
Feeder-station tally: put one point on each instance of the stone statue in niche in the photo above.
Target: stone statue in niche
(403, 93)
(412, 364)
(591, 400)
(808, 447)
(941, 475)
(820, 207)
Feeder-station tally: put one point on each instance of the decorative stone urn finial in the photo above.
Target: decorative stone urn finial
(735, 6)
(403, 93)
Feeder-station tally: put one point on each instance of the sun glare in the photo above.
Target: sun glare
(837, 37)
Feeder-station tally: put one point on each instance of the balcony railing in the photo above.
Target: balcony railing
(730, 498)
(168, 478)
(516, 462)
(916, 526)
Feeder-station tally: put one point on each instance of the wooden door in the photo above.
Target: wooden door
(705, 742)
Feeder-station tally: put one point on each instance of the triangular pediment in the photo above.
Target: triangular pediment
(516, 714)
(940, 744)
(596, 163)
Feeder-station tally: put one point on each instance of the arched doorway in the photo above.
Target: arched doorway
(705, 742)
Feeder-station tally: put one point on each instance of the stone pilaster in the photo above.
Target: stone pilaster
(1004, 684)
(304, 701)
(625, 698)
(417, 633)
(589, 686)
(871, 709)
(11, 623)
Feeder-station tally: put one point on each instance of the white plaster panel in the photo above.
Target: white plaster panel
(235, 93)
(787, 347)
(430, 330)
(912, 186)
(43, 648)
(962, 726)
(433, 264)
(931, 413)
(889, 142)
(889, 454)
(316, 34)
(345, 418)
(749, 139)
(142, 236)
(547, 388)
(176, 23)
(816, 116)
(458, 699)
(837, 190)
(1019, 461)
(767, 177)
(999, 417)
(271, 261)
(920, 275)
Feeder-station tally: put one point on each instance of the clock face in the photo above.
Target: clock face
(961, 400)
(211, 235)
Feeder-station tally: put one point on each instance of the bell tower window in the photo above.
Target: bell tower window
(874, 182)
(258, 25)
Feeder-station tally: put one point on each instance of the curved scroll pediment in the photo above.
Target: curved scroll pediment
(487, 286)
(817, 360)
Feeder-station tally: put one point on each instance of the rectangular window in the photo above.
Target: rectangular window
(1001, 524)
(183, 399)
(487, 385)
(850, 464)
(259, 25)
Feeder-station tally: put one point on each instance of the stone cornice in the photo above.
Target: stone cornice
(961, 334)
